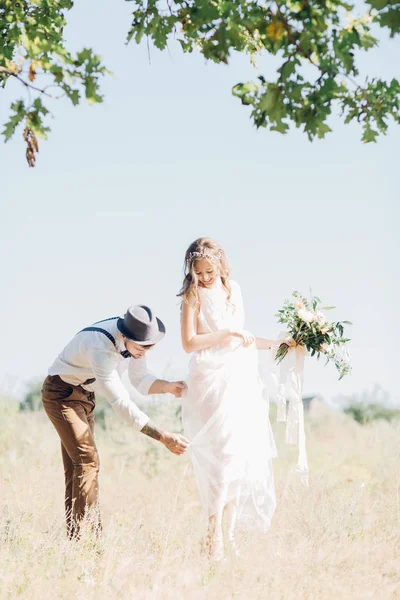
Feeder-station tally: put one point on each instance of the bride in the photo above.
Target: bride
(224, 413)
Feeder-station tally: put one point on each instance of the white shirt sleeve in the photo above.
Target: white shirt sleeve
(140, 377)
(108, 382)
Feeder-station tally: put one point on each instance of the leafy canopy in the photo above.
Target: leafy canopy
(317, 43)
(32, 50)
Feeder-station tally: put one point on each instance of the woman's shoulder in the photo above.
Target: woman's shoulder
(236, 292)
(234, 285)
(189, 302)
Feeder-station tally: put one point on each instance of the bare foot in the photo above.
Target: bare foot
(213, 548)
(233, 547)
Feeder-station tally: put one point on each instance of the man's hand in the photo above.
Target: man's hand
(176, 388)
(175, 442)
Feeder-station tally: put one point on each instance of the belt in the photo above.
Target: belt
(89, 381)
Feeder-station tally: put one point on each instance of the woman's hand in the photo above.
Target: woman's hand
(289, 342)
(246, 338)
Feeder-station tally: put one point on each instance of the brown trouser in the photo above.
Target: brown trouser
(71, 410)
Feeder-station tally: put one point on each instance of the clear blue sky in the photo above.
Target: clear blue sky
(121, 189)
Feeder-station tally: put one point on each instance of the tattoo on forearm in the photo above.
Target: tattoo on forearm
(152, 431)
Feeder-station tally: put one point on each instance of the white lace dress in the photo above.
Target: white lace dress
(226, 418)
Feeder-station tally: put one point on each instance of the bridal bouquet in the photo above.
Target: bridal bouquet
(309, 327)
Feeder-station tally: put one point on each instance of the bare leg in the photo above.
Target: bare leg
(214, 540)
(230, 515)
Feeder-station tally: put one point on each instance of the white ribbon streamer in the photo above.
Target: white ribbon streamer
(290, 387)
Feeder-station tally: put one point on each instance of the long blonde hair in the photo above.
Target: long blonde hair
(209, 249)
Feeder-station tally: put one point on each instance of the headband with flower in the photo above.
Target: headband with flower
(204, 254)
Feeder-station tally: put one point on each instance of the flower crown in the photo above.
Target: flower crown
(205, 254)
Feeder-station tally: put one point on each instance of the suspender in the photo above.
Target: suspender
(125, 353)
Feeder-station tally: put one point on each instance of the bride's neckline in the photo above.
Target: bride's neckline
(217, 285)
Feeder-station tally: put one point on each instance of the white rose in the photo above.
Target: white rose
(306, 315)
(299, 304)
(320, 318)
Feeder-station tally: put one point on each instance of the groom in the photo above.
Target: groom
(93, 361)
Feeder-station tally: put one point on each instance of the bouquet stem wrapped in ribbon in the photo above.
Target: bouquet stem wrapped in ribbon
(310, 332)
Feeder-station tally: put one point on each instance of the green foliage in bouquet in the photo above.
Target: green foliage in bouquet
(309, 327)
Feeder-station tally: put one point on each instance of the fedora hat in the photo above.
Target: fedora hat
(140, 325)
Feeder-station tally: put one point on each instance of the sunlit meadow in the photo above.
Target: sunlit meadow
(340, 538)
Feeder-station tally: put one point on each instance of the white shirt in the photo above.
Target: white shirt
(91, 354)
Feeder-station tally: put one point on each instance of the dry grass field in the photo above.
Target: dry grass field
(340, 538)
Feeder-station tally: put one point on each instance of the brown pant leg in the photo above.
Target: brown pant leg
(68, 477)
(72, 417)
(96, 516)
